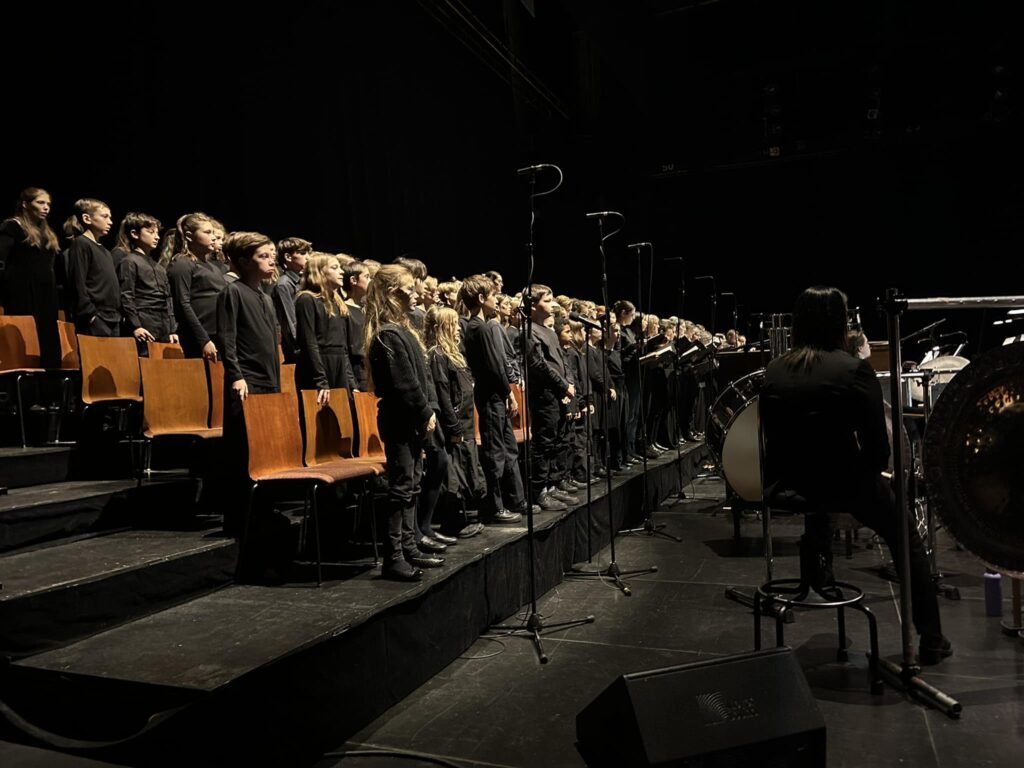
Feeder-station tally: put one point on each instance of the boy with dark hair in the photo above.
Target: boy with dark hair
(499, 454)
(292, 253)
(549, 390)
(248, 333)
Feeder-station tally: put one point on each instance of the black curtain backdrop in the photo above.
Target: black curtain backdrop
(389, 127)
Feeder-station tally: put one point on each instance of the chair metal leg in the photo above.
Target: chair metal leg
(316, 536)
(246, 526)
(841, 654)
(780, 625)
(21, 410)
(873, 666)
(757, 620)
(373, 526)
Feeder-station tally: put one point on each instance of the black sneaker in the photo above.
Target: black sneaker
(505, 517)
(548, 502)
(423, 559)
(471, 530)
(566, 486)
(429, 545)
(933, 650)
(565, 498)
(400, 570)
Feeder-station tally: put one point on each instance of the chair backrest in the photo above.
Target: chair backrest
(370, 443)
(520, 419)
(288, 379)
(159, 350)
(69, 358)
(272, 432)
(328, 427)
(19, 343)
(215, 371)
(175, 395)
(110, 369)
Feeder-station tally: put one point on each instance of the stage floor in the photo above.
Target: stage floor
(496, 706)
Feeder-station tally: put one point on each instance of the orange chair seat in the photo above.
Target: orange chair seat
(204, 434)
(322, 473)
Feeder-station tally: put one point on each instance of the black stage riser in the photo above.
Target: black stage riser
(24, 467)
(289, 711)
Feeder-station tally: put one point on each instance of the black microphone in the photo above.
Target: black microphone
(724, 293)
(673, 258)
(705, 277)
(586, 321)
(604, 214)
(638, 246)
(532, 169)
(923, 332)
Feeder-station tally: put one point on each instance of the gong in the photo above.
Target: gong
(974, 458)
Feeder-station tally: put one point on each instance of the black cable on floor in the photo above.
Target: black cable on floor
(393, 753)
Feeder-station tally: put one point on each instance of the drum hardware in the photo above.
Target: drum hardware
(961, 428)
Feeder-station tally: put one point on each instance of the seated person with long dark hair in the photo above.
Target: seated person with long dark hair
(826, 442)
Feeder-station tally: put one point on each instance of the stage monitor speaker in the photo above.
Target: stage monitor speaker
(753, 709)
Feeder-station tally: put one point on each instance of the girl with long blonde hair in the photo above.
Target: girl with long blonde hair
(321, 329)
(453, 384)
(405, 418)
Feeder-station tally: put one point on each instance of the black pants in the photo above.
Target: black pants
(873, 505)
(404, 452)
(545, 443)
(435, 475)
(499, 456)
(98, 327)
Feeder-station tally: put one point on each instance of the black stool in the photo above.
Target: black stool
(805, 592)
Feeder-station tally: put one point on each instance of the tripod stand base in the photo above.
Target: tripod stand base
(612, 573)
(907, 678)
(650, 528)
(535, 628)
(771, 609)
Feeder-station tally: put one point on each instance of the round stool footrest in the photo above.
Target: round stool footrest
(769, 591)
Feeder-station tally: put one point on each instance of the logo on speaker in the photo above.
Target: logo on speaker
(716, 709)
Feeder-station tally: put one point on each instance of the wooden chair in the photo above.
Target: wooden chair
(329, 435)
(69, 357)
(370, 443)
(520, 419)
(159, 350)
(215, 372)
(288, 378)
(70, 361)
(176, 402)
(275, 456)
(110, 370)
(19, 356)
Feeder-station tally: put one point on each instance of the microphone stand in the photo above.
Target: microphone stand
(613, 572)
(649, 527)
(534, 625)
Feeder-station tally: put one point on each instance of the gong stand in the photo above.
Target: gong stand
(907, 675)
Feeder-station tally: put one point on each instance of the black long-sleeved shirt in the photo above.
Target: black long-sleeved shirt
(145, 289)
(319, 335)
(400, 378)
(284, 303)
(248, 333)
(356, 352)
(93, 281)
(454, 388)
(485, 353)
(195, 286)
(544, 362)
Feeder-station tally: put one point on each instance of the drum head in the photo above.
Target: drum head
(974, 446)
(741, 459)
(945, 367)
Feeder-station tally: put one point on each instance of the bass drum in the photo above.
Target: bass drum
(732, 435)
